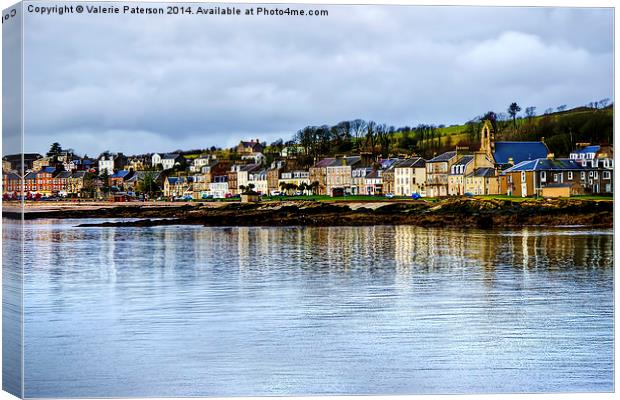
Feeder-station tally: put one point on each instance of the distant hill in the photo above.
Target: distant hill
(560, 130)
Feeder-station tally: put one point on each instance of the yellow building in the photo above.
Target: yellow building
(483, 181)
(410, 177)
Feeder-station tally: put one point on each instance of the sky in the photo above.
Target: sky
(145, 83)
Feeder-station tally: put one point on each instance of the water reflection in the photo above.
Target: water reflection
(298, 310)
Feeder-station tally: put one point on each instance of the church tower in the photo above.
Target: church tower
(484, 157)
(487, 139)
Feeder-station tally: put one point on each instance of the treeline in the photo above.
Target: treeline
(560, 128)
(379, 140)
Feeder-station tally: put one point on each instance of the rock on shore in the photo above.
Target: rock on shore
(453, 212)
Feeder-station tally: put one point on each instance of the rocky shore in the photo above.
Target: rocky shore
(455, 212)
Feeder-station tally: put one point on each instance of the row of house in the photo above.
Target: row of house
(510, 168)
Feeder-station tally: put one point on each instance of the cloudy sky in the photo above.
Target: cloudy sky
(159, 83)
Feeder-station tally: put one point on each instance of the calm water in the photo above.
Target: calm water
(189, 310)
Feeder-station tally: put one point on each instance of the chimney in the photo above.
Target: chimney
(550, 156)
(511, 161)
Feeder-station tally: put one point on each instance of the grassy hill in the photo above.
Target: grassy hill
(561, 131)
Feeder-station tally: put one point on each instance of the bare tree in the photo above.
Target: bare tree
(530, 112)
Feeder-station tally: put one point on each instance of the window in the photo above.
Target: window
(555, 177)
(595, 175)
(583, 176)
(543, 176)
(606, 175)
(522, 176)
(570, 175)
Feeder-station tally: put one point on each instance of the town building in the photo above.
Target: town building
(528, 178)
(409, 177)
(258, 178)
(338, 173)
(12, 184)
(218, 189)
(358, 180)
(294, 178)
(318, 173)
(273, 176)
(110, 162)
(177, 186)
(456, 177)
(437, 170)
(373, 183)
(483, 181)
(249, 147)
(18, 160)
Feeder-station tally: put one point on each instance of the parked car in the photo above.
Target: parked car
(416, 196)
(389, 195)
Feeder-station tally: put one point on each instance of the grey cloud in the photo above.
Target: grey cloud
(138, 84)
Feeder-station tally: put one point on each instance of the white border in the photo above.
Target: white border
(506, 3)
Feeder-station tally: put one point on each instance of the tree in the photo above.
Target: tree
(603, 102)
(513, 110)
(530, 112)
(55, 149)
(105, 181)
(314, 186)
(561, 108)
(88, 185)
(147, 183)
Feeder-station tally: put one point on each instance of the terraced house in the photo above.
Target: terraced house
(529, 178)
(296, 177)
(437, 170)
(458, 171)
(318, 173)
(175, 186)
(483, 181)
(338, 173)
(409, 177)
(358, 180)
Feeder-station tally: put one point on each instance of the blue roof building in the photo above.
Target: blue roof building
(585, 153)
(519, 151)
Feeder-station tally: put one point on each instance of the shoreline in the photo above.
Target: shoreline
(450, 212)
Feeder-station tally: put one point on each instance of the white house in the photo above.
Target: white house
(155, 160)
(257, 158)
(201, 162)
(168, 161)
(106, 162)
(259, 179)
(409, 177)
